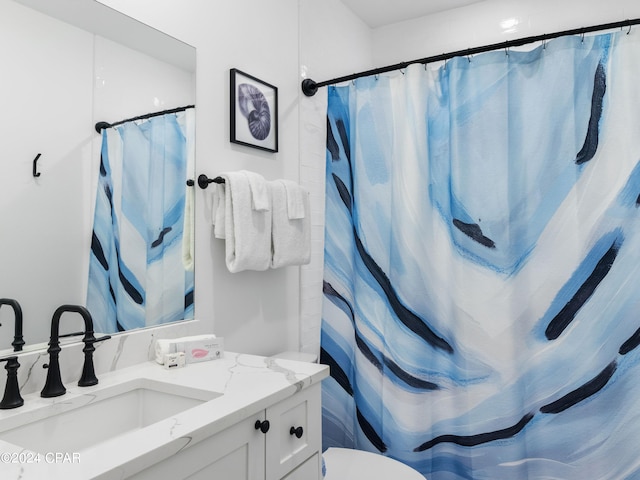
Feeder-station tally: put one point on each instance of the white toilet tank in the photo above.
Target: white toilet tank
(347, 464)
(298, 356)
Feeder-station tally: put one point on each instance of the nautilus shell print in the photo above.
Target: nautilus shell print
(255, 109)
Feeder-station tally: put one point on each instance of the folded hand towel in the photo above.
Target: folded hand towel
(218, 210)
(260, 200)
(247, 230)
(296, 197)
(290, 237)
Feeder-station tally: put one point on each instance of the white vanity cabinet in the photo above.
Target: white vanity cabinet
(294, 436)
(289, 449)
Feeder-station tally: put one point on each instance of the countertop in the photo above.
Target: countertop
(249, 384)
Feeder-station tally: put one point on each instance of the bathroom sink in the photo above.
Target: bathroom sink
(80, 423)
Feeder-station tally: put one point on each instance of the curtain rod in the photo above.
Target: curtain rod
(102, 125)
(310, 87)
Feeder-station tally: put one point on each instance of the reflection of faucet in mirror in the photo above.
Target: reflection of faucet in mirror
(53, 386)
(18, 341)
(12, 397)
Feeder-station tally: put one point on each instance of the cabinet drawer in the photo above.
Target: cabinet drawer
(295, 433)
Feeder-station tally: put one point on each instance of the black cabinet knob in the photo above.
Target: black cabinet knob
(296, 431)
(262, 426)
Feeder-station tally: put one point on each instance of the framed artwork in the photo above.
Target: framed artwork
(254, 112)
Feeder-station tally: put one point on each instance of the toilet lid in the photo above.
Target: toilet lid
(348, 464)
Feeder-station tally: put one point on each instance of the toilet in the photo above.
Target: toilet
(350, 464)
(347, 464)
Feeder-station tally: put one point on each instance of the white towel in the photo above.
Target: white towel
(290, 237)
(247, 229)
(188, 234)
(260, 200)
(296, 197)
(218, 210)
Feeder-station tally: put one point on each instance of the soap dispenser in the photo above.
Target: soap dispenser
(12, 398)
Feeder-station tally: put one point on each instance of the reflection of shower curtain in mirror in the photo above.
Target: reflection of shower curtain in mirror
(482, 264)
(136, 273)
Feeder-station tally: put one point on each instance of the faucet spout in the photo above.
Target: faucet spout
(53, 386)
(18, 340)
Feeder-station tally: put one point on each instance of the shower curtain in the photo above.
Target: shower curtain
(136, 272)
(482, 263)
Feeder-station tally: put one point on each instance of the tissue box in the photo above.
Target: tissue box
(196, 348)
(201, 349)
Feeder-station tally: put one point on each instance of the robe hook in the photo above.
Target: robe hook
(35, 166)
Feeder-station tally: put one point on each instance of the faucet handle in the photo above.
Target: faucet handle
(88, 377)
(11, 398)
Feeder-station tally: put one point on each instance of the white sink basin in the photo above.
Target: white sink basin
(74, 425)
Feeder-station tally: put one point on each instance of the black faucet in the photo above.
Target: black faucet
(18, 341)
(53, 386)
(11, 398)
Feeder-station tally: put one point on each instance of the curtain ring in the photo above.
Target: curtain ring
(376, 76)
(469, 54)
(401, 71)
(582, 40)
(544, 43)
(629, 31)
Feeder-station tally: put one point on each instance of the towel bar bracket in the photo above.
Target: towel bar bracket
(204, 181)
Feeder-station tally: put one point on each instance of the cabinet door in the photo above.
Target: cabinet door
(295, 433)
(236, 453)
(309, 470)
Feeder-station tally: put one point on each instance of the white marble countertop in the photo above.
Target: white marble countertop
(249, 384)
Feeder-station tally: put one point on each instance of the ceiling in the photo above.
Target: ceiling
(377, 13)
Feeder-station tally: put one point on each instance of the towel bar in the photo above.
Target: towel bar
(204, 181)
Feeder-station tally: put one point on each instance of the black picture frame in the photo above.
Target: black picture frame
(254, 112)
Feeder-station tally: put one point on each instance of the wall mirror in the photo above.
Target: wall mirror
(69, 64)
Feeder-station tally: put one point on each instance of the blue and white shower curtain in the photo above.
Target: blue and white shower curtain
(481, 311)
(136, 272)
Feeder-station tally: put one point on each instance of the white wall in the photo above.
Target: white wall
(491, 21)
(44, 79)
(60, 81)
(332, 41)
